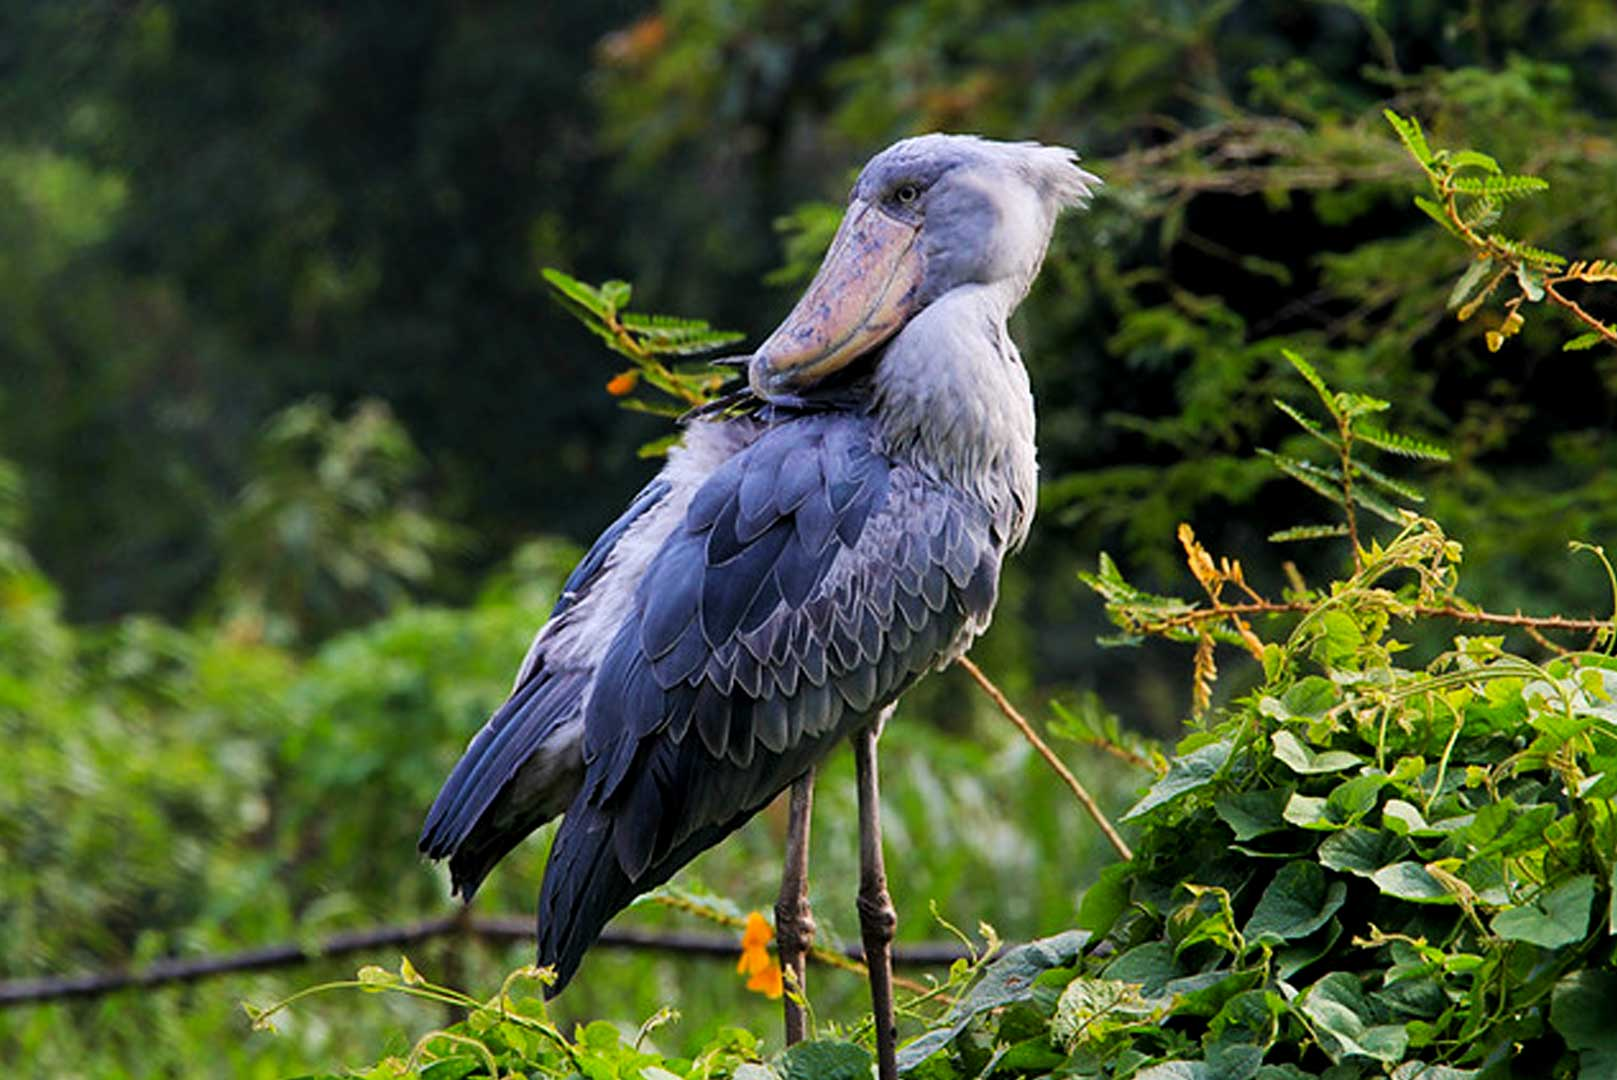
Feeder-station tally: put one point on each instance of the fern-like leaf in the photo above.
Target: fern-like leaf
(1527, 251)
(584, 296)
(1435, 212)
(1408, 129)
(1306, 370)
(1583, 341)
(615, 294)
(1499, 187)
(1320, 481)
(1378, 506)
(1309, 425)
(1402, 445)
(642, 323)
(1308, 532)
(1118, 593)
(1474, 159)
(1387, 483)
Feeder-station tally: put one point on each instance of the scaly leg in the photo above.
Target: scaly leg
(877, 919)
(794, 924)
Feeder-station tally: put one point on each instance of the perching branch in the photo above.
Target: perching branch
(498, 929)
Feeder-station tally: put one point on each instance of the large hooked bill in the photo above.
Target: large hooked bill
(866, 289)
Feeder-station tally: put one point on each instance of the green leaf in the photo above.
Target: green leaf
(1583, 341)
(454, 1067)
(1425, 1070)
(1185, 774)
(1151, 966)
(1409, 132)
(1309, 425)
(1306, 370)
(1382, 480)
(1091, 1009)
(374, 978)
(1478, 272)
(583, 295)
(1361, 851)
(1296, 955)
(1311, 697)
(1347, 1021)
(1536, 255)
(1308, 812)
(615, 294)
(1499, 187)
(1007, 980)
(1402, 445)
(1355, 797)
(1581, 1010)
(1105, 900)
(1411, 881)
(1531, 281)
(1556, 917)
(1338, 639)
(659, 446)
(1308, 532)
(1321, 481)
(1435, 212)
(1296, 903)
(1253, 813)
(1378, 506)
(1300, 759)
(827, 1059)
(1174, 1070)
(1463, 159)
(668, 335)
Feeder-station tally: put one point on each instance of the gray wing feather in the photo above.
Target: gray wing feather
(811, 581)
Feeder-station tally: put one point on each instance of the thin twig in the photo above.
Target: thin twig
(1084, 798)
(1107, 746)
(1572, 305)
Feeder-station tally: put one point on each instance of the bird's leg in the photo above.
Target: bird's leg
(877, 919)
(794, 925)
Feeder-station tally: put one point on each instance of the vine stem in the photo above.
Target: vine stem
(1003, 703)
(1344, 426)
(1489, 618)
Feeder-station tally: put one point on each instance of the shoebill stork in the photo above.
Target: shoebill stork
(795, 566)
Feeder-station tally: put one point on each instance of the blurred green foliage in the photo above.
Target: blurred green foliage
(283, 409)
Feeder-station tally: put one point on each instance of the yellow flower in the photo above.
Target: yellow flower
(763, 969)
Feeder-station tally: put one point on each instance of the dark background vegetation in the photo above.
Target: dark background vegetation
(294, 448)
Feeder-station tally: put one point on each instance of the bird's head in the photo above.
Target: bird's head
(927, 215)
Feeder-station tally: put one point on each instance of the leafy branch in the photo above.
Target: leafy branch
(1470, 192)
(1348, 482)
(651, 344)
(1420, 547)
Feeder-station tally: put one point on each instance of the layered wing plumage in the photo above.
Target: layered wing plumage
(484, 809)
(811, 580)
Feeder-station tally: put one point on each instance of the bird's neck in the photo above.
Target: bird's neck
(951, 398)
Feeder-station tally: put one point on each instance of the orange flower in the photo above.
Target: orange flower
(763, 969)
(769, 981)
(622, 383)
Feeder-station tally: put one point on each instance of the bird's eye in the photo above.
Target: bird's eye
(906, 193)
